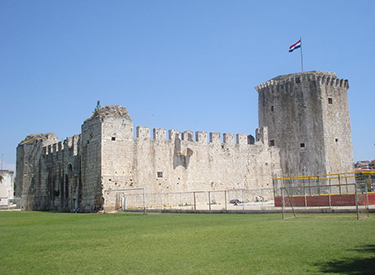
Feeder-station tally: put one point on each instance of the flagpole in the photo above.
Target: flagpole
(301, 54)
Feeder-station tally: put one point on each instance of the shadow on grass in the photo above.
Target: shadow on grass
(357, 265)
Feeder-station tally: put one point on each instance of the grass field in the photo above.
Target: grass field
(64, 243)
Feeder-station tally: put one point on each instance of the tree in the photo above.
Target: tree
(97, 108)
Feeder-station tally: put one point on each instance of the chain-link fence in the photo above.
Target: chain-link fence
(358, 200)
(344, 190)
(140, 199)
(326, 184)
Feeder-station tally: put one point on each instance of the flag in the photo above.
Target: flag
(295, 46)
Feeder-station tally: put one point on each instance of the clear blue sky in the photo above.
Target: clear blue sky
(186, 65)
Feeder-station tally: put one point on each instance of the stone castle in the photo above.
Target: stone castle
(304, 129)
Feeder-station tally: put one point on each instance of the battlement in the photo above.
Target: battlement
(60, 146)
(143, 132)
(323, 78)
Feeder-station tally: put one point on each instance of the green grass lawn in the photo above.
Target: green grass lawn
(65, 243)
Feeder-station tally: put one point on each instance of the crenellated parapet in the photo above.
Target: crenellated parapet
(215, 138)
(262, 135)
(285, 81)
(188, 136)
(143, 132)
(71, 143)
(159, 134)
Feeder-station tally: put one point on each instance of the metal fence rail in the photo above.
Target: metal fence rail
(141, 199)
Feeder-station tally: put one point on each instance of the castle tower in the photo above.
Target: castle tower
(102, 152)
(307, 115)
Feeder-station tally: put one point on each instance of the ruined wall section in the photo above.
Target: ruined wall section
(61, 176)
(295, 110)
(46, 166)
(29, 168)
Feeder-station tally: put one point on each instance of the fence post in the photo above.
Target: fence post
(243, 199)
(329, 198)
(195, 202)
(318, 183)
(304, 191)
(144, 201)
(367, 203)
(346, 181)
(356, 201)
(209, 200)
(282, 202)
(225, 198)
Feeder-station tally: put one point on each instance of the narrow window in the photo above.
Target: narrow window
(330, 100)
(337, 140)
(113, 138)
(272, 142)
(272, 109)
(302, 145)
(160, 174)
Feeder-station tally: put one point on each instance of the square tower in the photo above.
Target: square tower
(105, 152)
(307, 115)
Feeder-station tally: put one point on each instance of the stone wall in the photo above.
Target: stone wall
(182, 163)
(30, 154)
(47, 172)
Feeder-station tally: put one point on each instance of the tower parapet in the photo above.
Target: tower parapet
(323, 78)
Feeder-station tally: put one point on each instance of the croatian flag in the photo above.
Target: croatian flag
(295, 46)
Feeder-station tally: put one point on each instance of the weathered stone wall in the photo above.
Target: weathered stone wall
(60, 178)
(91, 163)
(45, 174)
(28, 168)
(313, 133)
(183, 163)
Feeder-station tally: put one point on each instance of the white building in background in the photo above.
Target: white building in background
(6, 186)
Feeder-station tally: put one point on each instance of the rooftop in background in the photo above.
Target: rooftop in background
(364, 165)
